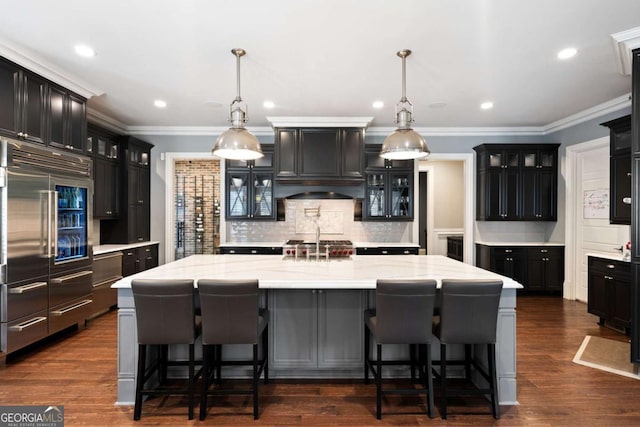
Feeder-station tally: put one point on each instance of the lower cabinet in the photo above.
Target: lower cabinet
(609, 290)
(139, 259)
(319, 328)
(107, 269)
(537, 268)
(251, 250)
(387, 250)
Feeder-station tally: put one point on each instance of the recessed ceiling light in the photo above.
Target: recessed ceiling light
(378, 104)
(85, 51)
(486, 105)
(159, 103)
(567, 53)
(268, 104)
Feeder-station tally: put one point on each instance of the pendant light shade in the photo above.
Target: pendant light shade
(404, 143)
(237, 143)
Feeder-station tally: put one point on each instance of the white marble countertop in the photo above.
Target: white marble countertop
(356, 244)
(519, 243)
(616, 257)
(103, 249)
(359, 272)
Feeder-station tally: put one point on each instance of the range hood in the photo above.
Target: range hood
(319, 191)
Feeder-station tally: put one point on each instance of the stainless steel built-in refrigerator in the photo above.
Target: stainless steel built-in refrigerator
(45, 233)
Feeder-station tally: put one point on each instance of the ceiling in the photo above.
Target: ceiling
(327, 58)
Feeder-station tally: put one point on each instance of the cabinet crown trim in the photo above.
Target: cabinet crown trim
(319, 121)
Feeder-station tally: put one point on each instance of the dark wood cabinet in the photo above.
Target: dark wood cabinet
(103, 147)
(388, 188)
(37, 110)
(620, 170)
(455, 247)
(249, 188)
(139, 259)
(387, 250)
(635, 207)
(517, 182)
(133, 224)
(545, 269)
(609, 287)
(251, 250)
(23, 110)
(321, 155)
(537, 268)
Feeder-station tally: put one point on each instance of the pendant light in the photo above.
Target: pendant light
(237, 143)
(404, 143)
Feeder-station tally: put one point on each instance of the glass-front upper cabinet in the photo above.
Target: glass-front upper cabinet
(389, 196)
(71, 223)
(250, 195)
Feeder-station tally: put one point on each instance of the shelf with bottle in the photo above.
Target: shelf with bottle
(70, 197)
(71, 245)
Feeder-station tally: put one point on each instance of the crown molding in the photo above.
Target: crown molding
(105, 121)
(623, 43)
(462, 131)
(319, 121)
(611, 106)
(48, 71)
(591, 113)
(192, 130)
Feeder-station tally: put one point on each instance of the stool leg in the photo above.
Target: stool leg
(265, 353)
(218, 363)
(412, 358)
(379, 383)
(429, 380)
(191, 379)
(467, 362)
(142, 357)
(256, 415)
(367, 343)
(443, 379)
(206, 355)
(491, 354)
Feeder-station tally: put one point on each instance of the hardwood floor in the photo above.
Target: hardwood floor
(79, 372)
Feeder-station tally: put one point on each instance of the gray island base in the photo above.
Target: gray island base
(316, 328)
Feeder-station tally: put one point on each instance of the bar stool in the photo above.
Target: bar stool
(469, 315)
(403, 315)
(164, 315)
(230, 315)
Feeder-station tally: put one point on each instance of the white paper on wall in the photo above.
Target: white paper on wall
(331, 222)
(595, 203)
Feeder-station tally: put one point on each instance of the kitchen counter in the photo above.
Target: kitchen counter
(308, 297)
(615, 257)
(356, 244)
(519, 243)
(274, 272)
(103, 249)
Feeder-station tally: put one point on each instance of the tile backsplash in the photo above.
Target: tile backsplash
(336, 222)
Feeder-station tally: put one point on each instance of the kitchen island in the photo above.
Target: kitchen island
(316, 310)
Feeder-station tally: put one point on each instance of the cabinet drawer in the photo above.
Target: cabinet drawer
(107, 266)
(250, 250)
(103, 296)
(24, 331)
(609, 265)
(22, 299)
(69, 287)
(384, 250)
(69, 314)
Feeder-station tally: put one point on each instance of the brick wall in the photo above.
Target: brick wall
(196, 204)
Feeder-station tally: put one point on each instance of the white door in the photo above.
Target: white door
(594, 234)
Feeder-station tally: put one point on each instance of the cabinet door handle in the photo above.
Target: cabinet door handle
(253, 251)
(384, 252)
(544, 251)
(508, 251)
(611, 266)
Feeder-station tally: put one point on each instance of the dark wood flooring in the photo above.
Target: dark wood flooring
(79, 372)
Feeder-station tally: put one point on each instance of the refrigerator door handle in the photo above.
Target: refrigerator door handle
(45, 226)
(54, 223)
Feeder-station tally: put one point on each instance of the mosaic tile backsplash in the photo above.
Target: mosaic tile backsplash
(336, 222)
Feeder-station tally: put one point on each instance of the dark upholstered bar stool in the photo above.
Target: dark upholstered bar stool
(403, 315)
(230, 315)
(164, 315)
(469, 315)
